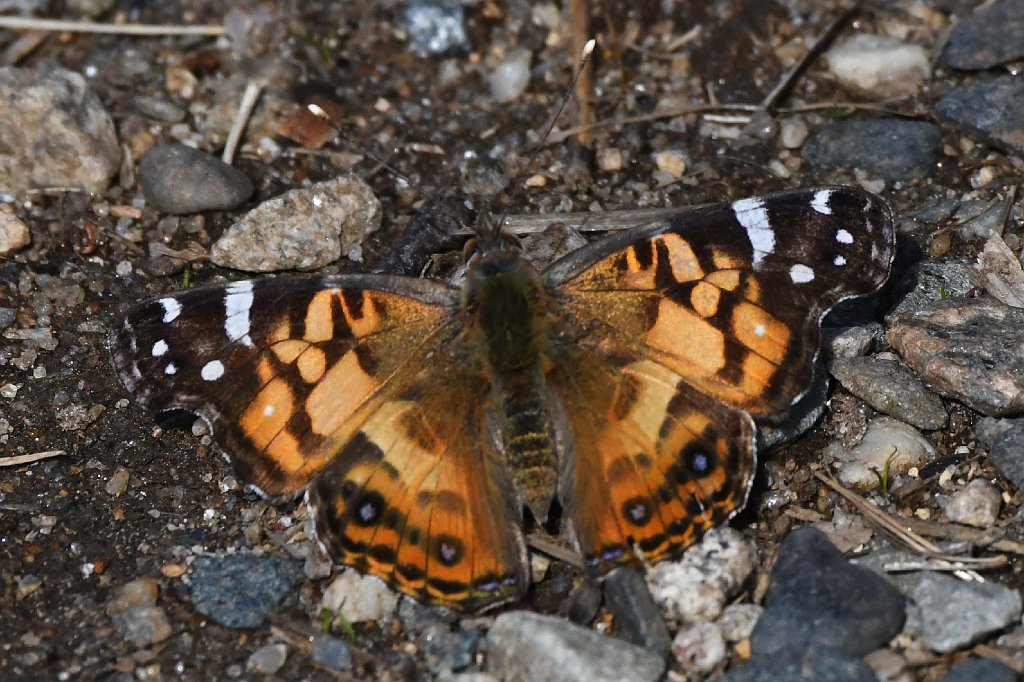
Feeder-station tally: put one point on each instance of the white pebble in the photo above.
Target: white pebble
(879, 66)
(358, 598)
(699, 648)
(885, 439)
(510, 78)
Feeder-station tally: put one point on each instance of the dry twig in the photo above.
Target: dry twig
(29, 458)
(35, 24)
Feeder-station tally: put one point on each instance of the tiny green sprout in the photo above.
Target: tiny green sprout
(326, 616)
(943, 291)
(186, 277)
(883, 475)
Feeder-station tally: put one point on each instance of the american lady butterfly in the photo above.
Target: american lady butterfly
(422, 420)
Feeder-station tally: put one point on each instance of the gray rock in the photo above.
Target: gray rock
(302, 229)
(814, 664)
(989, 429)
(975, 669)
(637, 618)
(268, 659)
(966, 349)
(240, 590)
(331, 652)
(160, 109)
(953, 614)
(986, 38)
(991, 110)
(436, 26)
(132, 608)
(816, 598)
(446, 651)
(932, 280)
(55, 132)
(1007, 452)
(891, 149)
(976, 504)
(850, 342)
(178, 179)
(530, 647)
(891, 388)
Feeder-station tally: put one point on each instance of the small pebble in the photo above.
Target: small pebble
(509, 80)
(178, 179)
(888, 443)
(267, 660)
(118, 483)
(977, 504)
(671, 162)
(699, 648)
(609, 159)
(13, 233)
(331, 652)
(358, 598)
(879, 66)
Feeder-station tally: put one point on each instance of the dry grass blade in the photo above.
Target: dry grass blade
(34, 24)
(28, 459)
(554, 550)
(898, 530)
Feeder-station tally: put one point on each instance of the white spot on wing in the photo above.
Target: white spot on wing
(237, 303)
(753, 216)
(801, 274)
(212, 370)
(839, 260)
(171, 368)
(159, 348)
(844, 236)
(268, 410)
(171, 309)
(759, 330)
(820, 201)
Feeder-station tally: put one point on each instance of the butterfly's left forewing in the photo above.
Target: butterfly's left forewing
(677, 334)
(283, 369)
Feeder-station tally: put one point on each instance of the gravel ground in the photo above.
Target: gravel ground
(136, 553)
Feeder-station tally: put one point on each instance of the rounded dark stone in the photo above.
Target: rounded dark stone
(891, 149)
(178, 179)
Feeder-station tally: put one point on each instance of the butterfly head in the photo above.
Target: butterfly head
(503, 298)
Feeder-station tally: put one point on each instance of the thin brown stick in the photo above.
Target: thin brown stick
(34, 24)
(579, 23)
(898, 530)
(28, 459)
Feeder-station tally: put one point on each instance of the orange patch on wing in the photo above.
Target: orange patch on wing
(685, 266)
(287, 351)
(339, 393)
(312, 364)
(726, 280)
(705, 299)
(757, 374)
(366, 320)
(688, 338)
(267, 415)
(319, 317)
(760, 332)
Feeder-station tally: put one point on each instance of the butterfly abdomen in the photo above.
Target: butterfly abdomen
(528, 438)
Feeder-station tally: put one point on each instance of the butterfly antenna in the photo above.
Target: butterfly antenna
(585, 54)
(319, 112)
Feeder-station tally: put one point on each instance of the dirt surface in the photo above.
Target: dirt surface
(428, 117)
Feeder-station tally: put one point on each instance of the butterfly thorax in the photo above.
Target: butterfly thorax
(508, 322)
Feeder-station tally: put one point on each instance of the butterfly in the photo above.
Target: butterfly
(425, 421)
